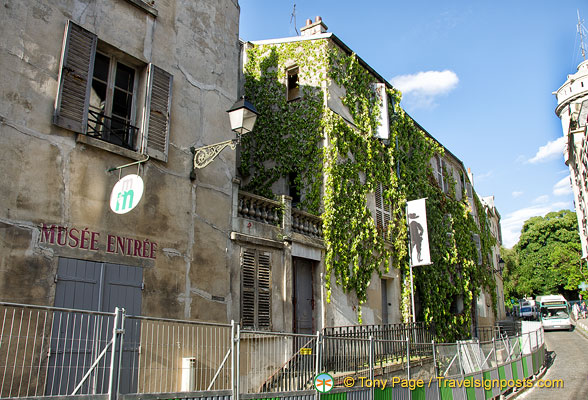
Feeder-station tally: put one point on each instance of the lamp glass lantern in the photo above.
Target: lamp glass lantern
(501, 264)
(242, 116)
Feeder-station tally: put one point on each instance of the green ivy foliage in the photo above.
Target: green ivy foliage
(288, 135)
(341, 164)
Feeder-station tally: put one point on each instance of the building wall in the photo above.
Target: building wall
(493, 217)
(572, 112)
(54, 176)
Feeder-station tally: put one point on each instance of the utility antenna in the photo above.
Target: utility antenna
(293, 18)
(581, 30)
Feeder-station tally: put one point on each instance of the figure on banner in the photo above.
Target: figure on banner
(416, 234)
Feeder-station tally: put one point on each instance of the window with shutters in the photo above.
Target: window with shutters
(255, 289)
(383, 211)
(111, 96)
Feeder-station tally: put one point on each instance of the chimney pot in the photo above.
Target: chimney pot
(313, 28)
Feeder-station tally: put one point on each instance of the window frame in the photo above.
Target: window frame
(383, 209)
(114, 58)
(290, 96)
(152, 95)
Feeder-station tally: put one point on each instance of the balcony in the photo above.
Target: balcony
(275, 220)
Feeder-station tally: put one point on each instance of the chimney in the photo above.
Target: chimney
(313, 28)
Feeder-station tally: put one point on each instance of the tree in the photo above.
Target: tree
(547, 258)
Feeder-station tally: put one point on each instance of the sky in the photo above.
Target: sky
(477, 75)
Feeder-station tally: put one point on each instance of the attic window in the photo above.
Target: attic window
(292, 84)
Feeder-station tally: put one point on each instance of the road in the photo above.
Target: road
(569, 354)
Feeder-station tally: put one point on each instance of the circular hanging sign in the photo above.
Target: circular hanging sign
(126, 194)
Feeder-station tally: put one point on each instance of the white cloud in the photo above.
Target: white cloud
(420, 90)
(481, 177)
(517, 194)
(563, 187)
(551, 150)
(541, 199)
(512, 224)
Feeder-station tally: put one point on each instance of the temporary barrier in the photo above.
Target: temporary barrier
(78, 354)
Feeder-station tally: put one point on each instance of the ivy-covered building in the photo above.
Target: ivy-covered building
(320, 210)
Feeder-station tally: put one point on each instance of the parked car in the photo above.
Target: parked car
(528, 310)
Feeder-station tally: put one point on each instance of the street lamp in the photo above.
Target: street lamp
(242, 116)
(500, 266)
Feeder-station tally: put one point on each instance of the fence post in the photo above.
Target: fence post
(372, 364)
(461, 370)
(408, 363)
(407, 358)
(120, 352)
(495, 353)
(435, 367)
(233, 357)
(436, 370)
(111, 394)
(238, 364)
(371, 357)
(317, 350)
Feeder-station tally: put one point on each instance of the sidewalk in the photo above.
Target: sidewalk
(581, 324)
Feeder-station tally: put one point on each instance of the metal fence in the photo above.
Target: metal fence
(276, 362)
(47, 351)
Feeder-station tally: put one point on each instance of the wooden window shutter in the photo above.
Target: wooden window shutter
(478, 244)
(383, 210)
(75, 78)
(444, 169)
(264, 304)
(379, 209)
(255, 289)
(157, 113)
(248, 278)
(387, 216)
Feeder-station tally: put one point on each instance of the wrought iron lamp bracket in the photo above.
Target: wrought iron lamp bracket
(206, 154)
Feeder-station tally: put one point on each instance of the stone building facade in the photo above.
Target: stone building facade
(89, 86)
(293, 238)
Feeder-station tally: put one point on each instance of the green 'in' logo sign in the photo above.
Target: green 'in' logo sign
(126, 194)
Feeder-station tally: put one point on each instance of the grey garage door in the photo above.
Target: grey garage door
(78, 338)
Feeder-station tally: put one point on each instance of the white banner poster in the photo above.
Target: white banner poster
(419, 237)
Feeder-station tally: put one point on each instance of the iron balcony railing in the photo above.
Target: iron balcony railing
(113, 129)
